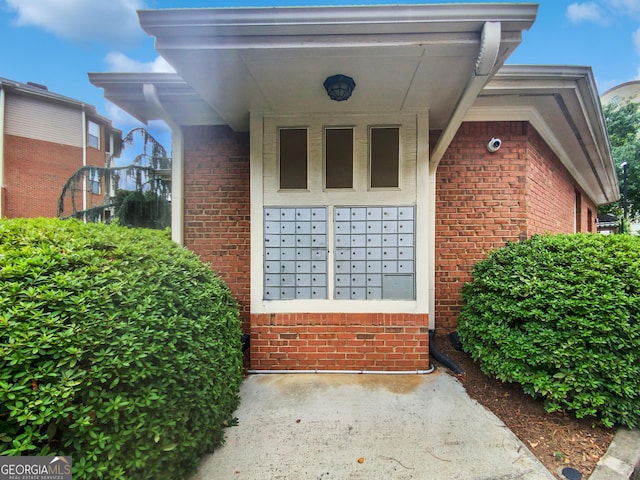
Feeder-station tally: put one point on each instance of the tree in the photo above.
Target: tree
(138, 195)
(623, 127)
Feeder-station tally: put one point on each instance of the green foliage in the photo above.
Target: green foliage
(136, 195)
(623, 127)
(117, 347)
(560, 314)
(142, 209)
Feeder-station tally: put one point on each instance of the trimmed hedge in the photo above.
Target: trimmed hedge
(560, 315)
(117, 347)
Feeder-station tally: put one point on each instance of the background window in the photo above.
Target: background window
(293, 158)
(93, 137)
(94, 181)
(385, 156)
(339, 157)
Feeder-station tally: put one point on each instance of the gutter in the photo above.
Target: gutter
(485, 65)
(489, 49)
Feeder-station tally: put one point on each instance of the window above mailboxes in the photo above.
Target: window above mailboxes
(317, 159)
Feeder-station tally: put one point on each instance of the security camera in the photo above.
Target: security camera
(494, 145)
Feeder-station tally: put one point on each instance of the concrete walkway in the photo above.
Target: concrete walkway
(373, 427)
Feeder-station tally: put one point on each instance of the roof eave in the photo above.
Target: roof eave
(557, 99)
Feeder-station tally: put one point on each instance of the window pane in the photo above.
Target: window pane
(293, 158)
(385, 157)
(93, 137)
(339, 157)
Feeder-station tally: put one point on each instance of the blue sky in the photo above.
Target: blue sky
(56, 42)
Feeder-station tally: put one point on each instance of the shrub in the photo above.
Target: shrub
(559, 314)
(117, 347)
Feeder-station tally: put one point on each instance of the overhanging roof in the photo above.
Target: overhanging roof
(178, 99)
(412, 58)
(562, 103)
(403, 58)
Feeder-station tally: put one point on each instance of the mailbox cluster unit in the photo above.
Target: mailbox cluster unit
(295, 253)
(374, 253)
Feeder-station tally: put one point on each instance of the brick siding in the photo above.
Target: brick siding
(484, 200)
(35, 173)
(389, 342)
(217, 205)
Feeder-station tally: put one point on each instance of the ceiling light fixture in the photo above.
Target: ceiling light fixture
(339, 87)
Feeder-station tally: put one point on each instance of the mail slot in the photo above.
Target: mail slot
(358, 213)
(287, 253)
(287, 228)
(272, 228)
(303, 254)
(318, 254)
(272, 253)
(287, 214)
(303, 214)
(318, 292)
(303, 228)
(318, 228)
(319, 214)
(358, 254)
(288, 267)
(303, 266)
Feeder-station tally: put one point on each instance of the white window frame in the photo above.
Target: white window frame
(93, 135)
(265, 192)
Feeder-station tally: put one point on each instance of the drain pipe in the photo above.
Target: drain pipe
(441, 357)
(351, 372)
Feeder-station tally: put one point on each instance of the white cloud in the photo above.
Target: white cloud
(121, 118)
(126, 122)
(114, 22)
(625, 7)
(119, 62)
(586, 12)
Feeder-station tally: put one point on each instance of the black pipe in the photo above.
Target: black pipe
(441, 357)
(245, 340)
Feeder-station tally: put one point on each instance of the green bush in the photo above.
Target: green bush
(559, 314)
(117, 347)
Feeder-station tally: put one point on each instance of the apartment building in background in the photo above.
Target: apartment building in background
(44, 139)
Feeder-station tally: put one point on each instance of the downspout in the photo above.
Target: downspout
(177, 162)
(84, 161)
(2, 108)
(489, 48)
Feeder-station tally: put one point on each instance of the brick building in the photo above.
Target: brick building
(346, 228)
(44, 139)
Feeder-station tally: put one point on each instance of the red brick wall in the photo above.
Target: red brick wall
(484, 200)
(551, 194)
(392, 342)
(217, 205)
(35, 172)
(480, 205)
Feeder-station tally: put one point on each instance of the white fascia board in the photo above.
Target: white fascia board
(334, 20)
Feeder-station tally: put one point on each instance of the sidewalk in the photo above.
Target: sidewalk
(373, 427)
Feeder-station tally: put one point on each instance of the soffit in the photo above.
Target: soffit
(402, 58)
(183, 104)
(562, 103)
